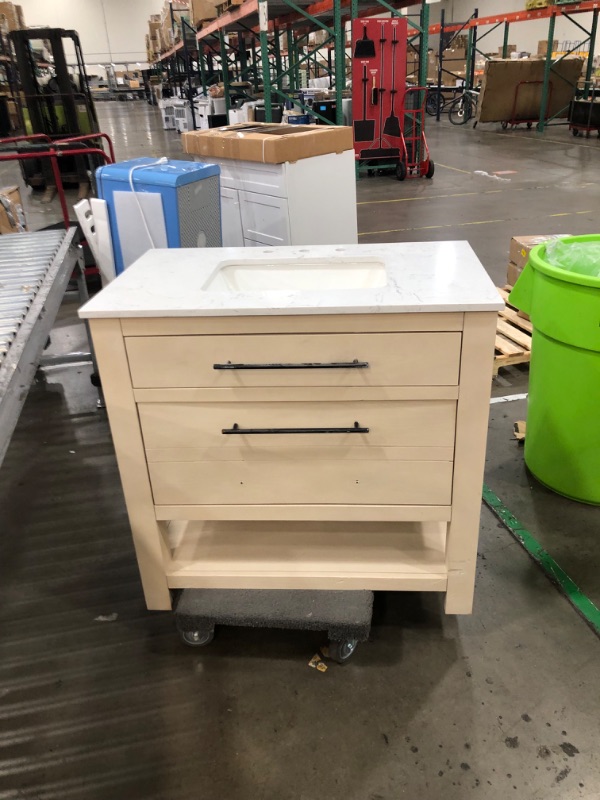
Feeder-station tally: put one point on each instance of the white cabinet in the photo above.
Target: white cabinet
(311, 201)
(231, 220)
(265, 219)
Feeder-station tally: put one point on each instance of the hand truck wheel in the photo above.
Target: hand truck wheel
(197, 638)
(342, 651)
(430, 169)
(401, 170)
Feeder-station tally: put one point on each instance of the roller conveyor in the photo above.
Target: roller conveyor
(35, 269)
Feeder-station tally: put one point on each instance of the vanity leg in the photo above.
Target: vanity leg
(476, 364)
(150, 547)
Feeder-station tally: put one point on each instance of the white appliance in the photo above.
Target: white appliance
(183, 116)
(311, 201)
(167, 110)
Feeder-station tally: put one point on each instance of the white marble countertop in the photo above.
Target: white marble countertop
(419, 277)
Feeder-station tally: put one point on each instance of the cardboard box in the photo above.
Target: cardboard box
(268, 143)
(512, 273)
(521, 246)
(13, 16)
(12, 216)
(542, 47)
(201, 10)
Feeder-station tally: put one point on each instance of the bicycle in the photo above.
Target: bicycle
(464, 107)
(434, 100)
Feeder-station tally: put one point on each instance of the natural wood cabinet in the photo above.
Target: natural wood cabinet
(282, 448)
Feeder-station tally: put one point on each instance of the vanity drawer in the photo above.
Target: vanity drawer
(378, 359)
(194, 431)
(346, 482)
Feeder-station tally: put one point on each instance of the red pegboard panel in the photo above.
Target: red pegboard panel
(378, 86)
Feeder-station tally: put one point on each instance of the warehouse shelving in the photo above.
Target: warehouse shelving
(494, 21)
(260, 26)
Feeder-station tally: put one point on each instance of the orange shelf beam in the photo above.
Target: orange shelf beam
(523, 16)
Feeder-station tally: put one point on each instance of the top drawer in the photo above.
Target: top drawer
(377, 359)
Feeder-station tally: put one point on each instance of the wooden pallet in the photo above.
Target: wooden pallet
(513, 336)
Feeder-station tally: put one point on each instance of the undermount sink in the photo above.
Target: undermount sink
(297, 275)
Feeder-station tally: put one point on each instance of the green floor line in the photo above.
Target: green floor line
(582, 604)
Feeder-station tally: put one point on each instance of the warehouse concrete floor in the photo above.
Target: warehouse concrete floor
(503, 703)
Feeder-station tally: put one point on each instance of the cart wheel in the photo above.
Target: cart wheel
(529, 125)
(197, 638)
(430, 169)
(370, 172)
(575, 132)
(401, 171)
(504, 125)
(342, 651)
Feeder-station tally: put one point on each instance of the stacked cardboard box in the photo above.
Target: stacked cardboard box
(542, 48)
(520, 247)
(454, 60)
(200, 11)
(11, 17)
(171, 27)
(154, 37)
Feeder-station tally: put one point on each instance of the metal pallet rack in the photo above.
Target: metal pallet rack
(567, 10)
(270, 44)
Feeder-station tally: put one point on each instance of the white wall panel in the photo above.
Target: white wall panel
(110, 30)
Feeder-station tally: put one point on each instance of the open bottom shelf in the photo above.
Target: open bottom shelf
(398, 556)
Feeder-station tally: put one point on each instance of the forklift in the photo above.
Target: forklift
(60, 108)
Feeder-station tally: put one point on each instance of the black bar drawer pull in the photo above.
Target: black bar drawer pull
(356, 364)
(236, 429)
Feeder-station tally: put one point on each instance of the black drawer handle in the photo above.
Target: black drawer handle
(236, 429)
(356, 364)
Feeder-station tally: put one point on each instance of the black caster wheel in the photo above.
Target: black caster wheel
(342, 651)
(575, 132)
(529, 125)
(430, 170)
(197, 638)
(370, 172)
(401, 171)
(95, 380)
(504, 125)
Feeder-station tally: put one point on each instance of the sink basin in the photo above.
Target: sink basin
(297, 275)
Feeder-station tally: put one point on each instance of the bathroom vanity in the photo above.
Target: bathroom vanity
(301, 417)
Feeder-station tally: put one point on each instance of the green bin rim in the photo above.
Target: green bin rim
(538, 255)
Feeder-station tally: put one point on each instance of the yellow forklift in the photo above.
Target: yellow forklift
(60, 107)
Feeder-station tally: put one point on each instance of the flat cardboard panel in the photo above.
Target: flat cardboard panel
(268, 143)
(503, 76)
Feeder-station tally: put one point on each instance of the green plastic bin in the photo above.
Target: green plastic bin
(562, 446)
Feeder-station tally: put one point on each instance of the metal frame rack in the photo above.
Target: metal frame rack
(35, 269)
(261, 27)
(568, 10)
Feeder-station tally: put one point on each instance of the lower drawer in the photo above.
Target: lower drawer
(313, 482)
